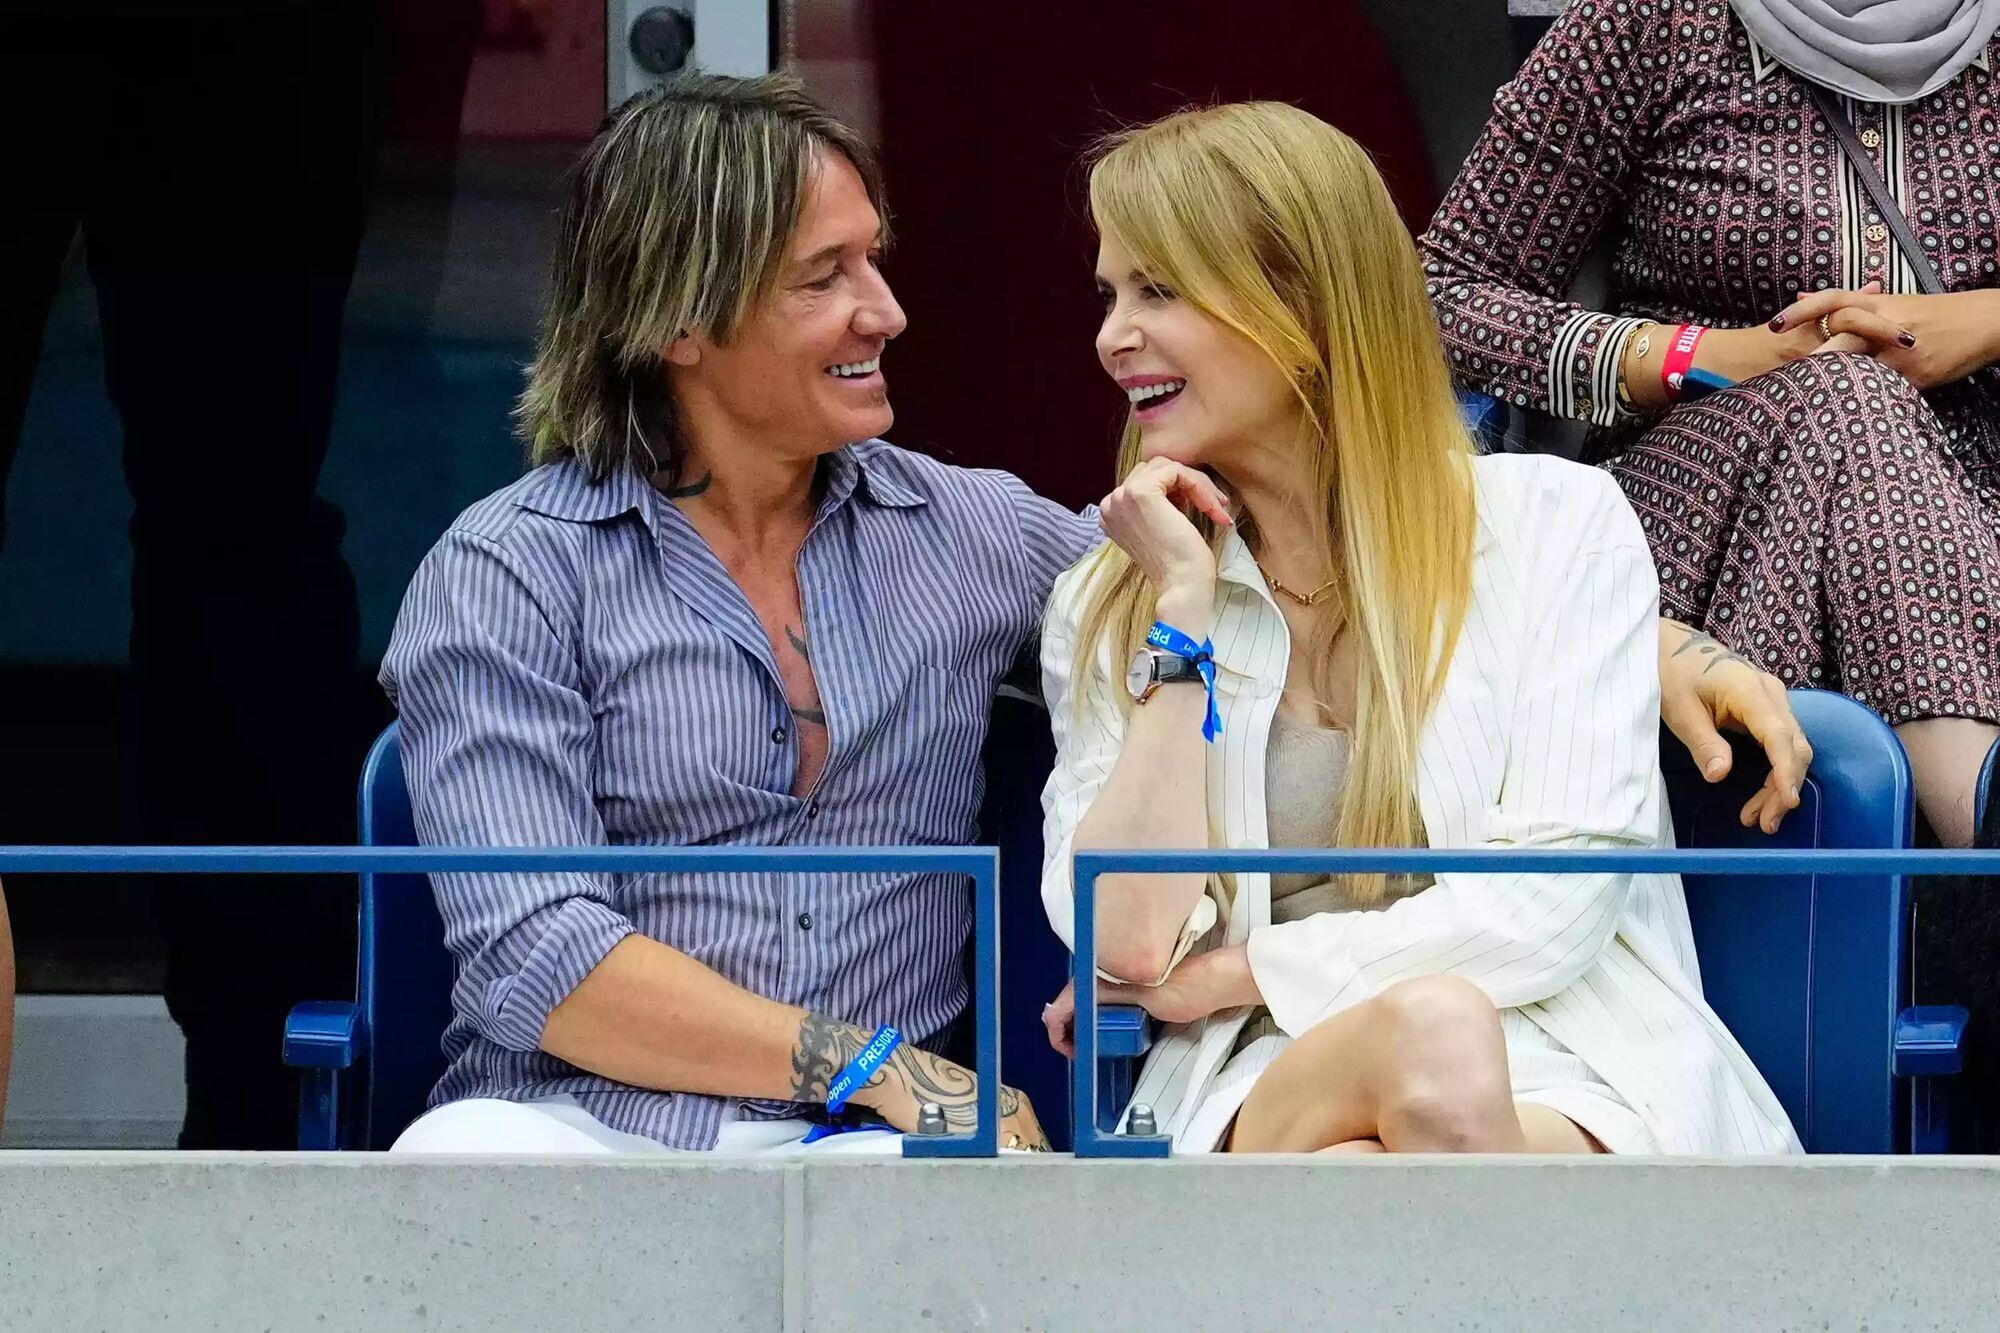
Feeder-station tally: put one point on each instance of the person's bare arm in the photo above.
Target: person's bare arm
(1706, 687)
(651, 1016)
(1157, 795)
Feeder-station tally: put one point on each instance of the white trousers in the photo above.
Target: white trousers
(560, 1127)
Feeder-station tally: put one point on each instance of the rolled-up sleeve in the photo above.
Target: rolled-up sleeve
(1089, 735)
(497, 744)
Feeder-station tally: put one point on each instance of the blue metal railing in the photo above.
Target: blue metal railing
(1829, 865)
(980, 864)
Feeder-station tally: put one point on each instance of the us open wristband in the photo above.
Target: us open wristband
(853, 1078)
(1168, 639)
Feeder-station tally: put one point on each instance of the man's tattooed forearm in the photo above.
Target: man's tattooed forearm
(1717, 653)
(824, 1048)
(928, 1079)
(691, 489)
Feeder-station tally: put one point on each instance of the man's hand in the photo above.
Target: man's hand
(1705, 687)
(908, 1079)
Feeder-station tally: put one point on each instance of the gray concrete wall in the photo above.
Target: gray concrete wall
(144, 1241)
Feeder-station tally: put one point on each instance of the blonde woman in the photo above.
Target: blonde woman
(1408, 646)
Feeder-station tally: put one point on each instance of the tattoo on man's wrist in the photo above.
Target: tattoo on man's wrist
(824, 1047)
(693, 488)
(1706, 644)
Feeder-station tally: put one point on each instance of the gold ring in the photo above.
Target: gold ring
(1825, 330)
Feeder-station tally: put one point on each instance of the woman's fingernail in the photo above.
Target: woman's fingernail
(1713, 766)
(1777, 324)
(1907, 338)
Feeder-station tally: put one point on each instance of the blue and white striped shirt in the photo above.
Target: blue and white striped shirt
(573, 665)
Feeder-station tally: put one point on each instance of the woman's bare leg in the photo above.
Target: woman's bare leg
(1946, 754)
(1552, 1131)
(1422, 1067)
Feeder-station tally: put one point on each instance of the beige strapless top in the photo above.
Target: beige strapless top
(1305, 768)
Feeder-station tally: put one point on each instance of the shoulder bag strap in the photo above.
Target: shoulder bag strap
(1878, 189)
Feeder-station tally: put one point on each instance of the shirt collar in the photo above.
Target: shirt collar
(1763, 67)
(861, 467)
(565, 491)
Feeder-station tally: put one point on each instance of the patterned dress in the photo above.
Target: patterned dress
(1825, 518)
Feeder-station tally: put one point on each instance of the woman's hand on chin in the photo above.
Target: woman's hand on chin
(1146, 516)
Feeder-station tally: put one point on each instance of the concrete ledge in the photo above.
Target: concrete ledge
(95, 1071)
(132, 1241)
(282, 1241)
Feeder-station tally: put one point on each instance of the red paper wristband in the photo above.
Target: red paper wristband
(1680, 358)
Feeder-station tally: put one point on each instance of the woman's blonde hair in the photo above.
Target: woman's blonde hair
(1274, 223)
(676, 221)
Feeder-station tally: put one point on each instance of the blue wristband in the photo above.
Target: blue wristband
(857, 1074)
(1169, 639)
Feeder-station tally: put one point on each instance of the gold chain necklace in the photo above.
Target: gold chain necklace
(1312, 598)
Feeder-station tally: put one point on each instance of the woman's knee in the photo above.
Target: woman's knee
(1444, 1085)
(1845, 373)
(1848, 399)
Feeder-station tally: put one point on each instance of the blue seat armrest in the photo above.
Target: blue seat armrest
(1930, 1040)
(323, 1034)
(1124, 1031)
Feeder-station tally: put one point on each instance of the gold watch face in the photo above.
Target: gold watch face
(1139, 675)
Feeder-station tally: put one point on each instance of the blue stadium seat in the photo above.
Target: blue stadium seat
(1812, 973)
(370, 1065)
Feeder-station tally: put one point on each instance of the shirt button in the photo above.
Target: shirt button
(812, 810)
(777, 735)
(1871, 139)
(1877, 233)
(805, 920)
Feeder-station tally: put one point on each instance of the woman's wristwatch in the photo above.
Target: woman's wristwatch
(1153, 667)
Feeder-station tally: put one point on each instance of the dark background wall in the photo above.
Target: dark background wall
(980, 123)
